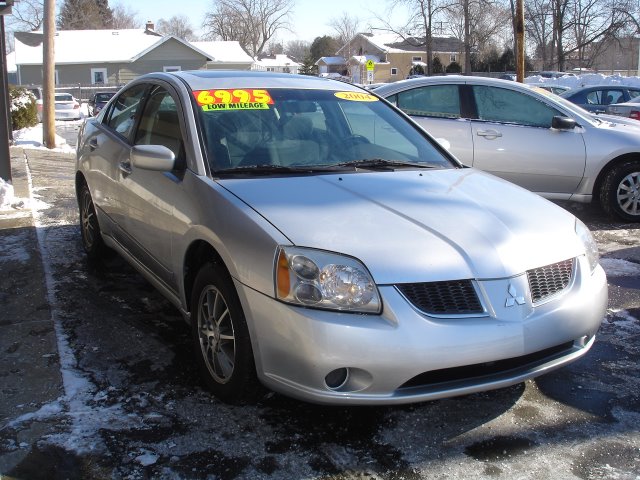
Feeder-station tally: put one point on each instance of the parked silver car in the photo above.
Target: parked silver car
(629, 109)
(530, 137)
(321, 243)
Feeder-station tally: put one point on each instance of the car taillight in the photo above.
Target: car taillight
(635, 114)
(75, 105)
(39, 105)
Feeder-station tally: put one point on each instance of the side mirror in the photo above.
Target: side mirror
(563, 123)
(153, 157)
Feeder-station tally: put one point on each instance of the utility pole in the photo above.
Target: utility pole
(48, 76)
(5, 121)
(520, 40)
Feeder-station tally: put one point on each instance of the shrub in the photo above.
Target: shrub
(436, 65)
(23, 108)
(454, 67)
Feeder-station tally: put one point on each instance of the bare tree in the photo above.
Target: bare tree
(539, 28)
(418, 30)
(345, 27)
(178, 26)
(250, 22)
(298, 49)
(124, 17)
(27, 15)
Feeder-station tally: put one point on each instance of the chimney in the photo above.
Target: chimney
(150, 26)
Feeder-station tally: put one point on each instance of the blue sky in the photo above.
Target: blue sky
(309, 20)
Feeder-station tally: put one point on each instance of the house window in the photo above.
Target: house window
(98, 76)
(57, 79)
(394, 71)
(172, 68)
(453, 58)
(416, 59)
(270, 69)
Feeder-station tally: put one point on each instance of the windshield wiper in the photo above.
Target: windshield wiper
(381, 164)
(269, 169)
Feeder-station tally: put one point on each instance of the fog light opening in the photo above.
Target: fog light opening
(337, 378)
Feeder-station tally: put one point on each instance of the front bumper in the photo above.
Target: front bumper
(403, 355)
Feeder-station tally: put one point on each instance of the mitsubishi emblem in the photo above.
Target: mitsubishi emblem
(513, 298)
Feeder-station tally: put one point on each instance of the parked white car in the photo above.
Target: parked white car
(530, 137)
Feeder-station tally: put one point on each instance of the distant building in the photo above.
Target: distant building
(105, 57)
(332, 65)
(277, 63)
(394, 57)
(614, 56)
(225, 55)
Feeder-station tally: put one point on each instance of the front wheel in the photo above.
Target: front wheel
(620, 193)
(221, 338)
(91, 237)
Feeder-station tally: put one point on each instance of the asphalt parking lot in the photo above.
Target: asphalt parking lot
(97, 381)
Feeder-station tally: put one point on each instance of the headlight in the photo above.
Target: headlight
(315, 278)
(590, 245)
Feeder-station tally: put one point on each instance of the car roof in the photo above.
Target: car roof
(446, 79)
(207, 79)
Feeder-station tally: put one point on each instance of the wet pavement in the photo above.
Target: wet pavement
(98, 382)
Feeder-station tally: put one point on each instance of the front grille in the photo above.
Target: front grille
(457, 297)
(549, 280)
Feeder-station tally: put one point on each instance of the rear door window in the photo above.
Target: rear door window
(431, 101)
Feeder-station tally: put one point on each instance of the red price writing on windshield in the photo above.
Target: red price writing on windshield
(211, 97)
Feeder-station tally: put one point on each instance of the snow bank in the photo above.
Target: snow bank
(586, 80)
(6, 194)
(32, 138)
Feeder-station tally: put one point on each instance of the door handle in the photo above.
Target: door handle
(125, 167)
(489, 134)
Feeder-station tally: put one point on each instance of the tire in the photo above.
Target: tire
(92, 241)
(620, 192)
(220, 336)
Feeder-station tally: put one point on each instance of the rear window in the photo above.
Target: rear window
(103, 97)
(64, 97)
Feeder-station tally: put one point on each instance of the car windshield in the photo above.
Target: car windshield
(280, 130)
(63, 97)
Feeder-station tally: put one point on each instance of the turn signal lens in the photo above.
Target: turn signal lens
(283, 280)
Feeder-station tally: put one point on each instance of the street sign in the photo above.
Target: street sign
(370, 76)
(371, 65)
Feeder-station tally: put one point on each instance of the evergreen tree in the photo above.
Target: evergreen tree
(85, 15)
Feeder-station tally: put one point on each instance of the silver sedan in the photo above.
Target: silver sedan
(629, 109)
(528, 136)
(323, 245)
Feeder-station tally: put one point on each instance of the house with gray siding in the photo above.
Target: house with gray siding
(105, 57)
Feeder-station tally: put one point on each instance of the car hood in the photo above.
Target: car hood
(416, 226)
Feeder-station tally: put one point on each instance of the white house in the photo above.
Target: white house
(227, 55)
(277, 63)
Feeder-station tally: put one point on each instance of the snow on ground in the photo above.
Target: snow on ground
(31, 137)
(617, 267)
(82, 409)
